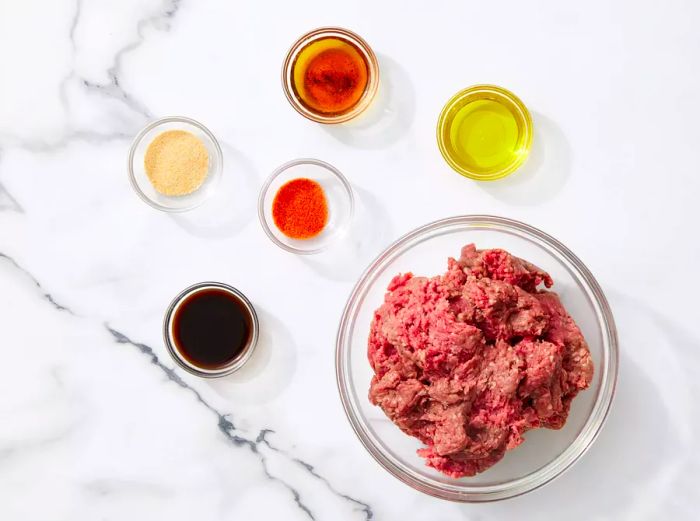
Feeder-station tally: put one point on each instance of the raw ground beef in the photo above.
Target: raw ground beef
(468, 361)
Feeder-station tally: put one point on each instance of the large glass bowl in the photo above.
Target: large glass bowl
(546, 453)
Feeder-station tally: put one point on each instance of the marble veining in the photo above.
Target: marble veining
(44, 294)
(228, 429)
(224, 420)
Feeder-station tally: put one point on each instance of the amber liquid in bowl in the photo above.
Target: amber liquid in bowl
(330, 76)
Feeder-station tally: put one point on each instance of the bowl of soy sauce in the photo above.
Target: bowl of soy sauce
(210, 329)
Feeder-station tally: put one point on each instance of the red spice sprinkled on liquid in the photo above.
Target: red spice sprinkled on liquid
(334, 76)
(299, 209)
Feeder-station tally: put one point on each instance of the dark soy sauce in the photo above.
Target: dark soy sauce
(211, 328)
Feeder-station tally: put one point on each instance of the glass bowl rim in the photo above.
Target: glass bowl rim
(283, 168)
(554, 468)
(236, 363)
(372, 76)
(137, 141)
(501, 93)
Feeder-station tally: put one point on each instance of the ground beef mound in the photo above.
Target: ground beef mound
(468, 361)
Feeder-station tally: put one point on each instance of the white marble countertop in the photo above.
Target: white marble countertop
(95, 420)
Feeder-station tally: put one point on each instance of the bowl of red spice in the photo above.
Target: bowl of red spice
(305, 205)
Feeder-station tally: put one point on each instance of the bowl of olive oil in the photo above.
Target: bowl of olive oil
(484, 132)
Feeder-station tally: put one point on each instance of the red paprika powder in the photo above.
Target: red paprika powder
(299, 209)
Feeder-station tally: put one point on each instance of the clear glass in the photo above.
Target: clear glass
(142, 185)
(485, 92)
(169, 338)
(545, 454)
(339, 197)
(372, 74)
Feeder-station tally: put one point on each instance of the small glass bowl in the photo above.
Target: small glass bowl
(338, 197)
(372, 74)
(545, 454)
(142, 185)
(169, 337)
(505, 98)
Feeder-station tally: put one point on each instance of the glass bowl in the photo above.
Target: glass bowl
(338, 197)
(171, 343)
(360, 45)
(142, 185)
(480, 94)
(545, 454)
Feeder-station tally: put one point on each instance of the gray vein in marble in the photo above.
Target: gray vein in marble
(83, 136)
(364, 507)
(225, 424)
(114, 88)
(32, 445)
(295, 493)
(227, 427)
(8, 202)
(74, 23)
(46, 295)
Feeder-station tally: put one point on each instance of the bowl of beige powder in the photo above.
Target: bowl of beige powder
(175, 164)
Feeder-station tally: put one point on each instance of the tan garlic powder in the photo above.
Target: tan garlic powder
(176, 162)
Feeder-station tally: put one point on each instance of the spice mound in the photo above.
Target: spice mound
(330, 76)
(300, 210)
(468, 361)
(176, 163)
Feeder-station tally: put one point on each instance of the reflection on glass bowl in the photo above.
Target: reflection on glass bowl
(545, 454)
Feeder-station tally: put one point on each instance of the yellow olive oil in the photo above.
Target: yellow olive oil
(484, 135)
(485, 132)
